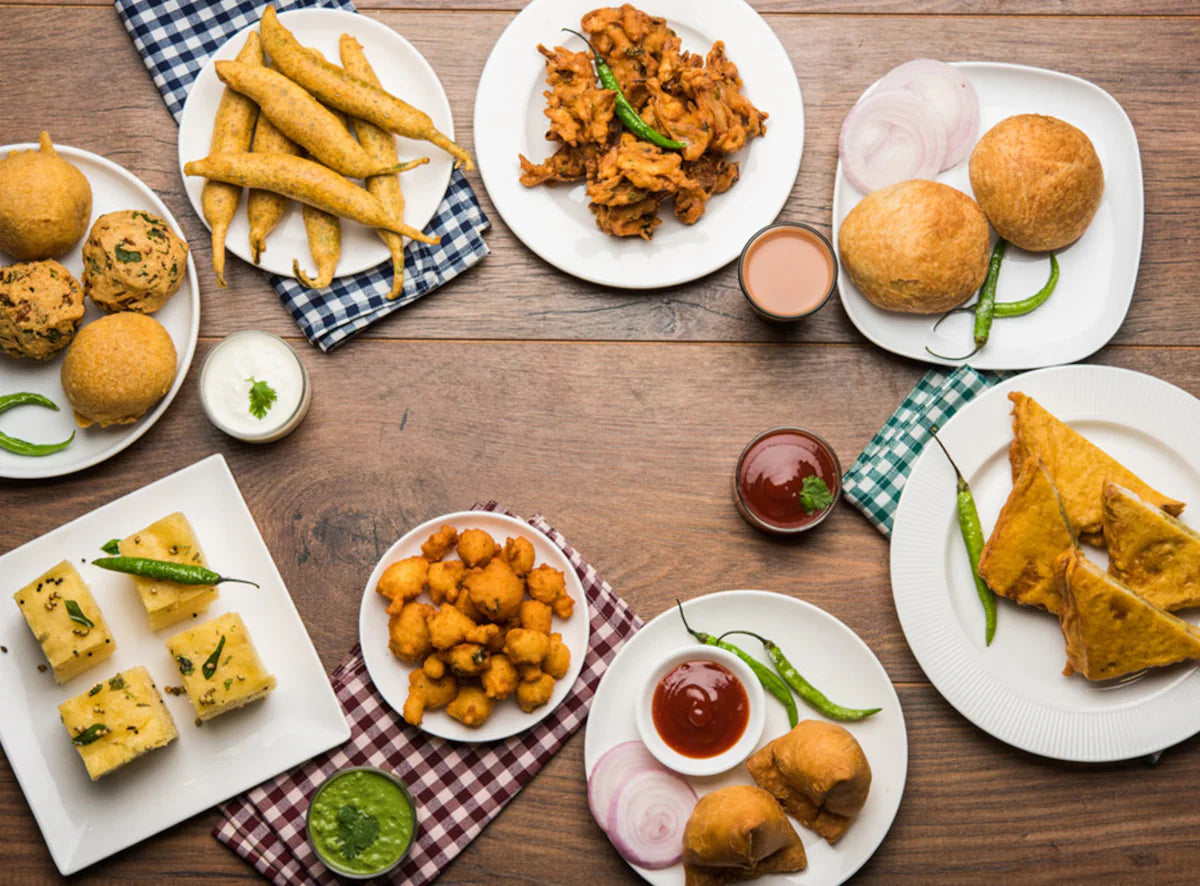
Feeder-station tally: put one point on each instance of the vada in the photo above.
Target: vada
(45, 203)
(1038, 180)
(41, 306)
(117, 368)
(132, 261)
(918, 247)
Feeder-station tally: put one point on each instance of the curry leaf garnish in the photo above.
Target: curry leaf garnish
(117, 682)
(89, 735)
(185, 665)
(77, 616)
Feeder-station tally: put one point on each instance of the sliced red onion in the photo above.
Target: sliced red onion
(948, 95)
(888, 137)
(611, 771)
(647, 816)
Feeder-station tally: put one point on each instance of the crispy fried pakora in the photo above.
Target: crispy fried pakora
(558, 657)
(467, 659)
(578, 109)
(449, 627)
(532, 694)
(536, 616)
(408, 632)
(403, 580)
(518, 554)
(471, 706)
(495, 590)
(499, 678)
(439, 544)
(526, 647)
(426, 694)
(476, 547)
(445, 580)
(547, 585)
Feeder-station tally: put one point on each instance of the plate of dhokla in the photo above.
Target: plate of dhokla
(1085, 479)
(134, 701)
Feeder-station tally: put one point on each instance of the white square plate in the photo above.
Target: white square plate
(83, 822)
(1098, 270)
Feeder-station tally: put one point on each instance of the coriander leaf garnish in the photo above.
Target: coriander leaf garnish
(262, 395)
(185, 665)
(76, 615)
(210, 666)
(89, 735)
(356, 830)
(814, 494)
(228, 683)
(95, 689)
(127, 255)
(117, 682)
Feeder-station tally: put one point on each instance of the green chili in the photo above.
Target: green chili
(24, 447)
(624, 110)
(769, 679)
(210, 665)
(985, 307)
(91, 734)
(807, 691)
(112, 546)
(1026, 305)
(972, 534)
(165, 570)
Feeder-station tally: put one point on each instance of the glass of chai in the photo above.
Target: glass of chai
(787, 271)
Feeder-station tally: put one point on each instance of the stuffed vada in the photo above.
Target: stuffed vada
(45, 203)
(132, 261)
(738, 833)
(41, 306)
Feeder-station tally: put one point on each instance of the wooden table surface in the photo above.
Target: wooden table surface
(622, 414)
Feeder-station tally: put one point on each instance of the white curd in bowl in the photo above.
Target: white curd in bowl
(232, 368)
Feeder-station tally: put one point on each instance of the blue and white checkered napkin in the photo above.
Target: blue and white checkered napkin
(175, 39)
(875, 480)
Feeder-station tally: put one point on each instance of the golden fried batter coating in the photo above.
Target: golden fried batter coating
(426, 694)
(440, 543)
(530, 673)
(444, 581)
(434, 666)
(536, 616)
(464, 605)
(495, 590)
(578, 109)
(499, 678)
(523, 646)
(558, 657)
(467, 659)
(403, 581)
(518, 554)
(532, 695)
(567, 164)
(449, 627)
(476, 547)
(563, 605)
(471, 706)
(545, 583)
(408, 632)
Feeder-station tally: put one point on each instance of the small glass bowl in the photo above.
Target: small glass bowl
(771, 315)
(758, 522)
(333, 865)
(276, 433)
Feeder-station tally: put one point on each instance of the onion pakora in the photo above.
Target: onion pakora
(693, 99)
(489, 633)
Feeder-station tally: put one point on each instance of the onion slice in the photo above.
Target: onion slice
(948, 95)
(647, 816)
(611, 771)
(888, 137)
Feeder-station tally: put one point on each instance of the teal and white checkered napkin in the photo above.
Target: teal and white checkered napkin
(875, 480)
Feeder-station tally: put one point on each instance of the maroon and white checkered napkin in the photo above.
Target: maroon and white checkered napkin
(459, 788)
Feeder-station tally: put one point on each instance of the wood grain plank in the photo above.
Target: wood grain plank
(513, 294)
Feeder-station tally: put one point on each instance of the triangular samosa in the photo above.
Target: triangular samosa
(1151, 551)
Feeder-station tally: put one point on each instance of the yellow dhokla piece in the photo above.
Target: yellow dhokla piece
(1018, 560)
(69, 644)
(1151, 551)
(220, 666)
(117, 721)
(1110, 630)
(168, 602)
(1078, 467)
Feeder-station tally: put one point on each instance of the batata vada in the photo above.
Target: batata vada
(41, 306)
(132, 261)
(45, 203)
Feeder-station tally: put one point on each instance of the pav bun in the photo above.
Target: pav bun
(918, 246)
(1038, 180)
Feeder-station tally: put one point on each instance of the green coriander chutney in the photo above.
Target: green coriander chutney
(361, 822)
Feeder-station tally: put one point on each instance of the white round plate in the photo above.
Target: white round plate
(1014, 689)
(113, 189)
(826, 652)
(402, 70)
(1098, 270)
(555, 222)
(390, 675)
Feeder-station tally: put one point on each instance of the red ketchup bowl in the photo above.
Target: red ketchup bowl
(769, 480)
(787, 271)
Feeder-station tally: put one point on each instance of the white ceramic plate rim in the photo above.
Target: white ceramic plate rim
(40, 468)
(72, 851)
(360, 252)
(618, 682)
(514, 66)
(390, 675)
(857, 307)
(919, 584)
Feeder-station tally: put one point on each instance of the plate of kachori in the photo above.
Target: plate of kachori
(129, 237)
(1098, 268)
(1072, 424)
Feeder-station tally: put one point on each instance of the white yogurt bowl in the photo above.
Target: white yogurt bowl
(230, 369)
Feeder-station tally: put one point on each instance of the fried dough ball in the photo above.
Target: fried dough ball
(558, 657)
(536, 616)
(449, 627)
(426, 694)
(444, 581)
(440, 543)
(518, 554)
(523, 646)
(496, 642)
(495, 590)
(45, 203)
(530, 673)
(476, 547)
(467, 659)
(464, 605)
(403, 581)
(547, 585)
(499, 678)
(434, 667)
(132, 261)
(533, 694)
(563, 605)
(41, 307)
(471, 706)
(408, 632)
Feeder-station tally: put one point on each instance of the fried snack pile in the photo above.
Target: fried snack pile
(486, 633)
(684, 96)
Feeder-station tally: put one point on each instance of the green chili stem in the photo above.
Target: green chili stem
(112, 546)
(165, 570)
(1026, 305)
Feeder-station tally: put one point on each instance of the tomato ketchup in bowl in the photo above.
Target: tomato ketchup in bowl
(786, 481)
